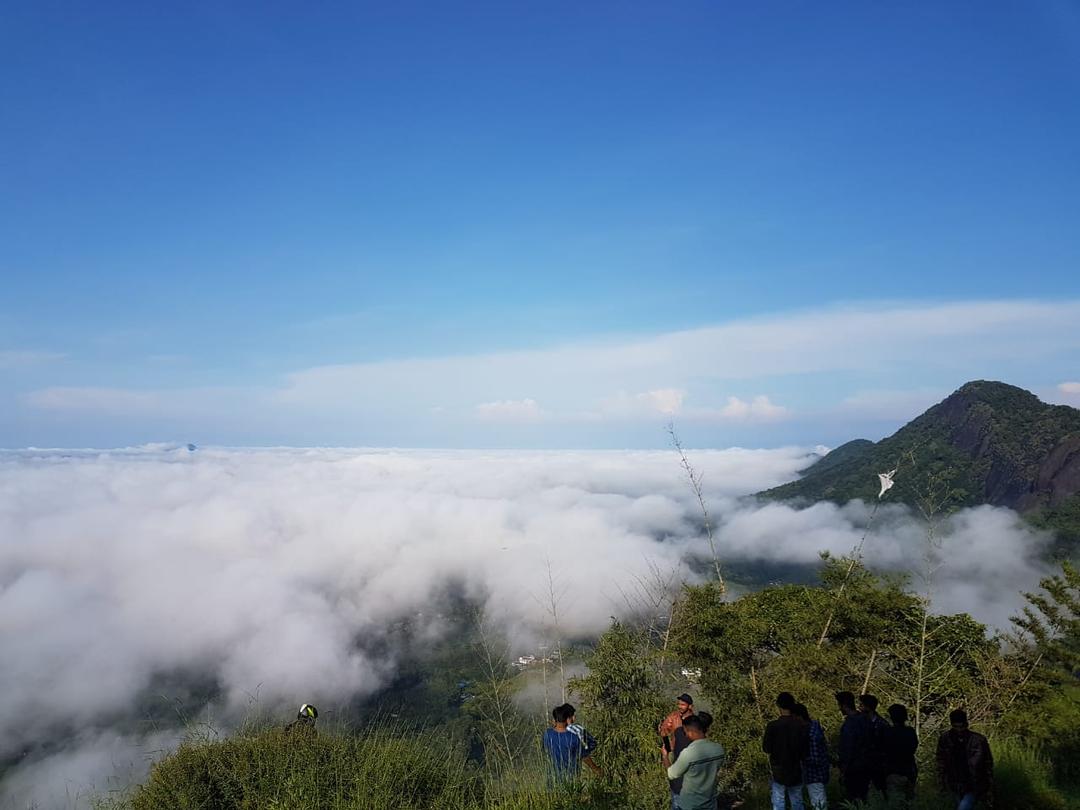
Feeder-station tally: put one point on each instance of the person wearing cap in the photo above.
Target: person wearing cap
(674, 739)
(304, 722)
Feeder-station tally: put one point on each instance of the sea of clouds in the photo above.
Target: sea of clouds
(282, 572)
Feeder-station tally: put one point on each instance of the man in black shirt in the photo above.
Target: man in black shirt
(900, 745)
(877, 740)
(854, 749)
(787, 742)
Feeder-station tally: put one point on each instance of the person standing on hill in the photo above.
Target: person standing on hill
(879, 732)
(815, 767)
(565, 749)
(697, 767)
(965, 764)
(854, 754)
(787, 743)
(588, 742)
(900, 745)
(684, 707)
(674, 739)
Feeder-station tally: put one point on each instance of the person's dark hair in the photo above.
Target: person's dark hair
(801, 711)
(693, 722)
(560, 714)
(898, 714)
(571, 711)
(706, 721)
(869, 701)
(958, 716)
(846, 700)
(786, 701)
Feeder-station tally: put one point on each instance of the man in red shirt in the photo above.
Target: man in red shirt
(685, 708)
(674, 738)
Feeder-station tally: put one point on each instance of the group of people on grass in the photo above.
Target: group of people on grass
(874, 755)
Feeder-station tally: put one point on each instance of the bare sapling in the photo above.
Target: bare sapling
(857, 553)
(694, 478)
(650, 604)
(551, 603)
(500, 721)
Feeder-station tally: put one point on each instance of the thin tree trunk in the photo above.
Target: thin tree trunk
(695, 484)
(869, 670)
(667, 633)
(847, 575)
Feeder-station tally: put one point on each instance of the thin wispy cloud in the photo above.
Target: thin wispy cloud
(23, 358)
(723, 374)
(510, 410)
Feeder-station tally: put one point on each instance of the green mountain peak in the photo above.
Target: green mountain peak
(986, 443)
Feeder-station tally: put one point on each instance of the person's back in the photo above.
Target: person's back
(900, 746)
(588, 742)
(855, 743)
(787, 744)
(564, 747)
(698, 766)
(565, 752)
(854, 753)
(877, 740)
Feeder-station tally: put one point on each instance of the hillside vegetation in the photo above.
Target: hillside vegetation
(883, 639)
(988, 443)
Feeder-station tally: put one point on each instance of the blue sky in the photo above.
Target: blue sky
(530, 224)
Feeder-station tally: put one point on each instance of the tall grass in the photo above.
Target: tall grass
(392, 768)
(384, 767)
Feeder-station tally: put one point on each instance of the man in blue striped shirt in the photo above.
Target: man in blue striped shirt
(815, 766)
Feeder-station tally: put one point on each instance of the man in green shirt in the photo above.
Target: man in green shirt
(697, 765)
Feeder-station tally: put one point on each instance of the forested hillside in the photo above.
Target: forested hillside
(987, 443)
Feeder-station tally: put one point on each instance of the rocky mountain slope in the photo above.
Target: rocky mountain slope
(987, 443)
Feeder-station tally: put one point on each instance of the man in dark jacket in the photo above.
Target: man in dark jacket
(965, 764)
(787, 743)
(900, 746)
(878, 740)
(854, 759)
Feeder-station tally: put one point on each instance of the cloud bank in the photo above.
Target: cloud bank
(284, 571)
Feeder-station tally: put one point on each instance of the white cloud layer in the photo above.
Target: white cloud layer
(278, 571)
(759, 409)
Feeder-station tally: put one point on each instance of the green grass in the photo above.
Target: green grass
(391, 769)
(383, 768)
